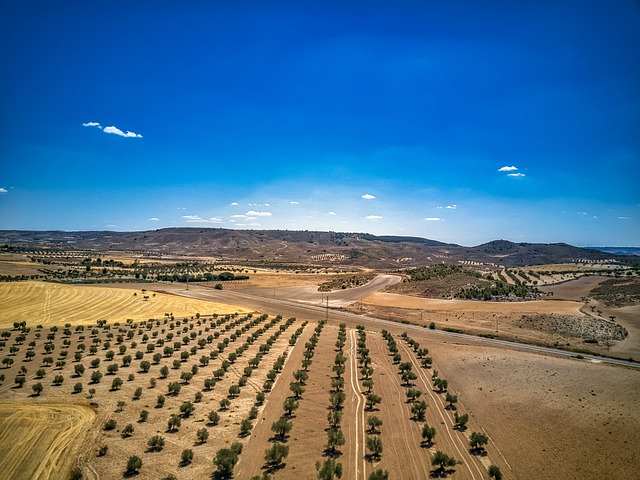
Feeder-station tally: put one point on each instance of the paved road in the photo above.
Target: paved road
(288, 308)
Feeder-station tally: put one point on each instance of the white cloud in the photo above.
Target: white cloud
(117, 131)
(294, 203)
(451, 207)
(332, 213)
(373, 217)
(619, 218)
(368, 196)
(515, 174)
(239, 215)
(433, 219)
(92, 124)
(153, 219)
(507, 169)
(252, 213)
(198, 219)
(234, 204)
(267, 204)
(193, 218)
(3, 190)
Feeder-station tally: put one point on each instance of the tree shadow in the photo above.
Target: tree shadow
(441, 472)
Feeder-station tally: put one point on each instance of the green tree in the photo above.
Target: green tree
(186, 456)
(418, 410)
(127, 431)
(214, 418)
(428, 434)
(290, 405)
(494, 472)
(372, 400)
(187, 409)
(334, 418)
(335, 439)
(281, 428)
(374, 445)
(133, 465)
(174, 422)
(443, 463)
(116, 383)
(37, 388)
(225, 460)
(77, 388)
(329, 469)
(245, 427)
(379, 475)
(203, 435)
(460, 421)
(477, 441)
(144, 415)
(275, 455)
(451, 400)
(374, 424)
(156, 443)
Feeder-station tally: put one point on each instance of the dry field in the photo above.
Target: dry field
(40, 441)
(56, 304)
(545, 417)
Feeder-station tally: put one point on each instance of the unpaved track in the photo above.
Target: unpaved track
(339, 298)
(356, 431)
(39, 441)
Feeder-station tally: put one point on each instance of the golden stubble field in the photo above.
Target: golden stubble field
(50, 304)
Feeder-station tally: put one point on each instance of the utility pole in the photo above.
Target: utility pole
(327, 315)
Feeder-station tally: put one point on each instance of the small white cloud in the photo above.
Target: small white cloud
(332, 214)
(368, 196)
(373, 217)
(267, 204)
(252, 213)
(198, 219)
(294, 203)
(234, 204)
(515, 174)
(451, 207)
(508, 169)
(433, 219)
(92, 124)
(117, 131)
(3, 190)
(153, 219)
(619, 218)
(238, 216)
(193, 218)
(583, 213)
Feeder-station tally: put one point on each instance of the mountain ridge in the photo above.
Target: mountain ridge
(306, 247)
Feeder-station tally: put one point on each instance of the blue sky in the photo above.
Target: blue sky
(386, 117)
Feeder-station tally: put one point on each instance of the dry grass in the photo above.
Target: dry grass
(39, 441)
(55, 304)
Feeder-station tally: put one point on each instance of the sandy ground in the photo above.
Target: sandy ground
(550, 417)
(53, 304)
(339, 298)
(40, 441)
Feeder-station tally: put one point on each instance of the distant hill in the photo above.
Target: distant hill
(304, 247)
(619, 250)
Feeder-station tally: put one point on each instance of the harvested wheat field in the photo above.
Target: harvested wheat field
(40, 441)
(55, 304)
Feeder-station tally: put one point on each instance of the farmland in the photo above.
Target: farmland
(158, 380)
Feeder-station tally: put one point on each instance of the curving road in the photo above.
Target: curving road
(288, 307)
